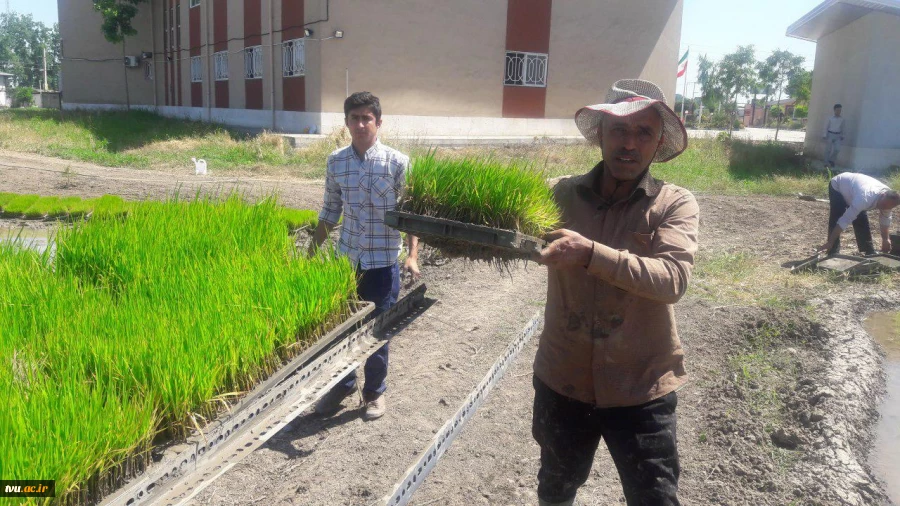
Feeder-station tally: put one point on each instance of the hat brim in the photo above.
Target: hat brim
(589, 118)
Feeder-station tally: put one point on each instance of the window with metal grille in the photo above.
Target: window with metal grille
(148, 70)
(525, 69)
(293, 61)
(253, 68)
(220, 63)
(196, 69)
(194, 3)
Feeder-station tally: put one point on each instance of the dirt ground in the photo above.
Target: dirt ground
(799, 434)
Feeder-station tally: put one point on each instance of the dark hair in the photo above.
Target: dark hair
(893, 194)
(838, 106)
(362, 99)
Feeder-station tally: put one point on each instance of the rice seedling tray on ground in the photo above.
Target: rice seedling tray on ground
(427, 227)
(850, 265)
(180, 458)
(891, 262)
(186, 468)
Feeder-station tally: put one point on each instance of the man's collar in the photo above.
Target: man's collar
(369, 152)
(647, 184)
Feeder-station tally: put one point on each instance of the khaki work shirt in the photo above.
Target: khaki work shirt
(609, 336)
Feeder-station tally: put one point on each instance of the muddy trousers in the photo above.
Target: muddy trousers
(640, 439)
(860, 225)
(381, 286)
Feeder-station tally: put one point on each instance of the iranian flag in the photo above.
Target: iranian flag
(682, 64)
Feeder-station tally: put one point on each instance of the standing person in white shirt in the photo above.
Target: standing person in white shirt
(851, 195)
(362, 182)
(833, 135)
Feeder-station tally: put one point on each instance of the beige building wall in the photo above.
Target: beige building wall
(593, 43)
(102, 80)
(420, 58)
(857, 67)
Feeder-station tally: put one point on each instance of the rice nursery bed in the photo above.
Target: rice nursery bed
(143, 327)
(508, 196)
(36, 207)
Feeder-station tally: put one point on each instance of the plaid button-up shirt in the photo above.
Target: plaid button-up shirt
(362, 189)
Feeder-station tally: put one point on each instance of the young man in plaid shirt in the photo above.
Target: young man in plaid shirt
(362, 181)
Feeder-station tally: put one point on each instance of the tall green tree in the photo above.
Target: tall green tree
(779, 68)
(22, 43)
(117, 18)
(799, 86)
(708, 76)
(737, 76)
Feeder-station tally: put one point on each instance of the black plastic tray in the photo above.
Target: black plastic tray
(426, 226)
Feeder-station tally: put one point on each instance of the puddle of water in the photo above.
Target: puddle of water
(885, 459)
(36, 239)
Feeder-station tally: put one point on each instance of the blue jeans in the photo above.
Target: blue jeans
(381, 286)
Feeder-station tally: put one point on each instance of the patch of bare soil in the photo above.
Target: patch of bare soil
(779, 409)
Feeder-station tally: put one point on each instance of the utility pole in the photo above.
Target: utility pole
(45, 67)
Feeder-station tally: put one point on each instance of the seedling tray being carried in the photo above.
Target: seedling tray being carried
(440, 232)
(850, 265)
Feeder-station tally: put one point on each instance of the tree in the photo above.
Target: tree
(737, 76)
(117, 18)
(708, 76)
(799, 86)
(22, 43)
(779, 68)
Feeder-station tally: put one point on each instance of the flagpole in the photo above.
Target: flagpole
(684, 94)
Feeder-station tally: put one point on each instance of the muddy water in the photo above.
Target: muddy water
(37, 239)
(885, 458)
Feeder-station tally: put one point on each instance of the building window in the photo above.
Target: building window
(253, 68)
(221, 65)
(148, 70)
(293, 61)
(196, 69)
(525, 69)
(194, 3)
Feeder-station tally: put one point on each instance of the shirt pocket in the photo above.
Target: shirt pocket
(383, 190)
(640, 244)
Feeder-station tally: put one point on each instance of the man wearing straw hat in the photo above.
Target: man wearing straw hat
(610, 361)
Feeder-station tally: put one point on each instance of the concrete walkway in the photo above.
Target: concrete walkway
(753, 134)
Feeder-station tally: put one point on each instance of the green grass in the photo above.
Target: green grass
(482, 192)
(142, 325)
(145, 140)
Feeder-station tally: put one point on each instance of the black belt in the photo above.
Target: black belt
(836, 133)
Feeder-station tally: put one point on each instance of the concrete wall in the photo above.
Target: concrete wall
(438, 67)
(92, 68)
(595, 43)
(857, 66)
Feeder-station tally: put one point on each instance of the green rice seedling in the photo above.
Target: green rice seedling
(300, 218)
(482, 192)
(67, 205)
(138, 324)
(5, 197)
(110, 205)
(42, 207)
(19, 204)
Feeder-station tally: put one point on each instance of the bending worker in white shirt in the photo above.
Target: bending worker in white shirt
(833, 135)
(851, 195)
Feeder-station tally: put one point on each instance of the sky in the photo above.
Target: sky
(717, 27)
(710, 27)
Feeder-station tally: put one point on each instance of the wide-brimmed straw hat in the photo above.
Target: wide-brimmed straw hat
(630, 96)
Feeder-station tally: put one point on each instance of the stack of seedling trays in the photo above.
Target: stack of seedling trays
(478, 209)
(850, 265)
